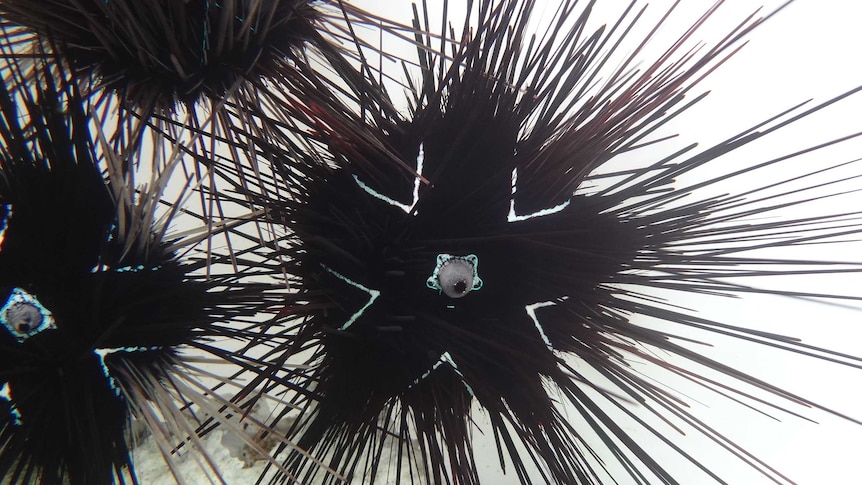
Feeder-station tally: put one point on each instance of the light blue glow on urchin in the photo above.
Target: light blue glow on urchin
(103, 268)
(130, 269)
(24, 316)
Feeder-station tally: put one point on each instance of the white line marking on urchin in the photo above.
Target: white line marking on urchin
(374, 294)
(445, 358)
(6, 393)
(512, 217)
(420, 160)
(531, 312)
(101, 353)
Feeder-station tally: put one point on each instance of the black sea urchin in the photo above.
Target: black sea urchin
(509, 269)
(100, 299)
(158, 54)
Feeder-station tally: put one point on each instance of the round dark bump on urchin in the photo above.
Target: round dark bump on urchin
(455, 276)
(496, 173)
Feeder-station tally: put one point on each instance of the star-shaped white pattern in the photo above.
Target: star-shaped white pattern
(432, 282)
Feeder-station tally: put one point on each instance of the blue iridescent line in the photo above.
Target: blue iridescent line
(206, 35)
(235, 16)
(531, 312)
(101, 268)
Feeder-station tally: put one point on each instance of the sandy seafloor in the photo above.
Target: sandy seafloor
(152, 469)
